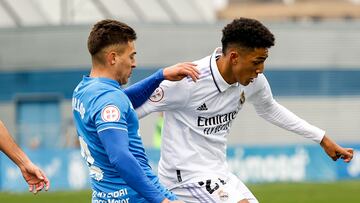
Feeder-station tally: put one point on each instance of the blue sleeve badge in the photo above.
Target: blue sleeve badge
(110, 113)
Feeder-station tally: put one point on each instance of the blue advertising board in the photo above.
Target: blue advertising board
(65, 169)
(295, 163)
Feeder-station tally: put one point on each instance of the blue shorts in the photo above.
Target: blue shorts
(126, 194)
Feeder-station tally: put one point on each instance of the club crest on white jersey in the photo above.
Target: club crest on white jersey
(110, 113)
(157, 95)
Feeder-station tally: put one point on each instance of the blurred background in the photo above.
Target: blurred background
(313, 69)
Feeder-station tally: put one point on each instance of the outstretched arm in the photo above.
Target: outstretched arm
(32, 174)
(282, 117)
(139, 92)
(270, 110)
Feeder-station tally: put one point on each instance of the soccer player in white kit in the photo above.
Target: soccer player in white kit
(198, 117)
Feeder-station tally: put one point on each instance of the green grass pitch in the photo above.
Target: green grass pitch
(344, 191)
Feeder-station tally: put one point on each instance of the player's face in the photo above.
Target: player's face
(248, 65)
(125, 62)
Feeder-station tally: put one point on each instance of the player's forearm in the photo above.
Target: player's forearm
(327, 142)
(11, 149)
(142, 90)
(116, 145)
(135, 177)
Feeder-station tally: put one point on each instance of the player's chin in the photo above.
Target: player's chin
(124, 81)
(245, 83)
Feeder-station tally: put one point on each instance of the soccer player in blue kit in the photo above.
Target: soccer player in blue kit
(107, 124)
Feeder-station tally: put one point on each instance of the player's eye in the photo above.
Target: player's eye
(257, 62)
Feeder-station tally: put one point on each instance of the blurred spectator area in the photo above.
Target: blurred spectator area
(292, 9)
(24, 13)
(314, 68)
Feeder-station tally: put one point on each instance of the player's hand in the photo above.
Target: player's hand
(35, 178)
(334, 151)
(181, 70)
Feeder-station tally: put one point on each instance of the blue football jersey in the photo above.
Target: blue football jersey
(99, 104)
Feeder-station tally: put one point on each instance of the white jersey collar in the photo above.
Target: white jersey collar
(219, 81)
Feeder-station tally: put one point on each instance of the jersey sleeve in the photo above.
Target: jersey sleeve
(265, 105)
(139, 92)
(116, 144)
(168, 96)
(110, 111)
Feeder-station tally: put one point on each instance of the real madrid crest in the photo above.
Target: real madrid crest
(224, 196)
(242, 97)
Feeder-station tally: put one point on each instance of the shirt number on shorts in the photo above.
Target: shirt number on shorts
(208, 185)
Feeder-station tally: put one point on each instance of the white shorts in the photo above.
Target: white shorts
(216, 190)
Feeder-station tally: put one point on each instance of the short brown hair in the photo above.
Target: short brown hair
(109, 32)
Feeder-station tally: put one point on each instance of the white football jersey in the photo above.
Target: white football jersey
(198, 116)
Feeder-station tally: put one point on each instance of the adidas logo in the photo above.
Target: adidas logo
(203, 107)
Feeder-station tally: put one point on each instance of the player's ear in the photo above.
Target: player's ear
(234, 57)
(111, 58)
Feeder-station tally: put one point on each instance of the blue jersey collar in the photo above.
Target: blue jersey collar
(103, 80)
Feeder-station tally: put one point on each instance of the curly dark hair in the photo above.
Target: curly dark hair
(109, 32)
(247, 33)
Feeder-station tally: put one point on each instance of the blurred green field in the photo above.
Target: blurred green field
(346, 191)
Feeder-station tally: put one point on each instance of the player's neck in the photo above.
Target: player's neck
(225, 70)
(101, 72)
